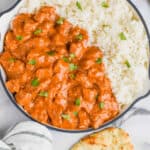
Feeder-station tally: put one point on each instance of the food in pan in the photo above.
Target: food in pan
(107, 139)
(74, 64)
(115, 27)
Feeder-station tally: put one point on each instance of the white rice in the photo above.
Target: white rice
(104, 26)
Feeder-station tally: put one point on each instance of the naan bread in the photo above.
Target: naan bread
(107, 139)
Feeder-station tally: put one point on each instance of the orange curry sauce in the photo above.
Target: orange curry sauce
(54, 75)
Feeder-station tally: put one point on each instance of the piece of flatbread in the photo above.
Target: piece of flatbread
(107, 139)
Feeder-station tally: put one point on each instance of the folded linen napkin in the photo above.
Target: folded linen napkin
(27, 136)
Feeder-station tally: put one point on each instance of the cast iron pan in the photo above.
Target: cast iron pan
(90, 129)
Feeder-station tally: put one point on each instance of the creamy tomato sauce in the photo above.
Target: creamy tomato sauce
(54, 75)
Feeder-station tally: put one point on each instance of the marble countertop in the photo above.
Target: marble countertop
(136, 121)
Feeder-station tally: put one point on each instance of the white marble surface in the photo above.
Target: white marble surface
(136, 122)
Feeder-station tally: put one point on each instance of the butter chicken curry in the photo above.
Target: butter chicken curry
(54, 75)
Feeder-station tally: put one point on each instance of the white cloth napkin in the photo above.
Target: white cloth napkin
(27, 136)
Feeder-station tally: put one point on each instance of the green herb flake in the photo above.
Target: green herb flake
(72, 76)
(77, 102)
(79, 37)
(75, 113)
(19, 37)
(35, 82)
(78, 4)
(51, 53)
(105, 4)
(128, 64)
(99, 60)
(96, 97)
(65, 116)
(32, 62)
(60, 21)
(37, 32)
(105, 25)
(72, 55)
(12, 60)
(101, 105)
(122, 36)
(43, 94)
(73, 67)
(66, 59)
